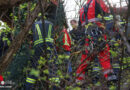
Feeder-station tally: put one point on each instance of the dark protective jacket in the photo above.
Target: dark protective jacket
(39, 34)
(5, 40)
(78, 35)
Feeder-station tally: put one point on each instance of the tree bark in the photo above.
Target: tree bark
(129, 9)
(17, 42)
(10, 3)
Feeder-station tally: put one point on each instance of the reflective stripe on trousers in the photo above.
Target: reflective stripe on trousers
(104, 58)
(30, 80)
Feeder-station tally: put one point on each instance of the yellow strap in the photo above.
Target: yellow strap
(49, 40)
(49, 31)
(99, 16)
(89, 24)
(71, 39)
(41, 41)
(39, 31)
(122, 22)
(66, 43)
(31, 79)
(108, 18)
(38, 42)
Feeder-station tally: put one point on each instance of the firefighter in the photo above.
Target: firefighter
(64, 43)
(74, 24)
(76, 33)
(5, 37)
(44, 52)
(39, 48)
(89, 19)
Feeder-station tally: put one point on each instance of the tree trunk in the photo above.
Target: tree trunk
(129, 9)
(16, 44)
(9, 3)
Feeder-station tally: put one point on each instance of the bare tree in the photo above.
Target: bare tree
(14, 47)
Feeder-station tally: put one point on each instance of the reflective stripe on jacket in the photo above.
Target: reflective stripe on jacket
(38, 32)
(66, 40)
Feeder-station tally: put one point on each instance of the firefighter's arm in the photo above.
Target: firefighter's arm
(72, 42)
(102, 26)
(78, 52)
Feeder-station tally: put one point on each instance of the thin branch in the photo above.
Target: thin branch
(16, 44)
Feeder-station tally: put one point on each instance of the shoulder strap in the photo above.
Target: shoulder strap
(86, 10)
(49, 31)
(39, 31)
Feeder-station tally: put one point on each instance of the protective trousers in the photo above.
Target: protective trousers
(35, 72)
(104, 58)
(65, 63)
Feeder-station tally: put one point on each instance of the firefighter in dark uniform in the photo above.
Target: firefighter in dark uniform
(39, 47)
(5, 38)
(43, 49)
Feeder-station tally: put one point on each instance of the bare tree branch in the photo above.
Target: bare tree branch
(10, 3)
(16, 44)
(120, 29)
